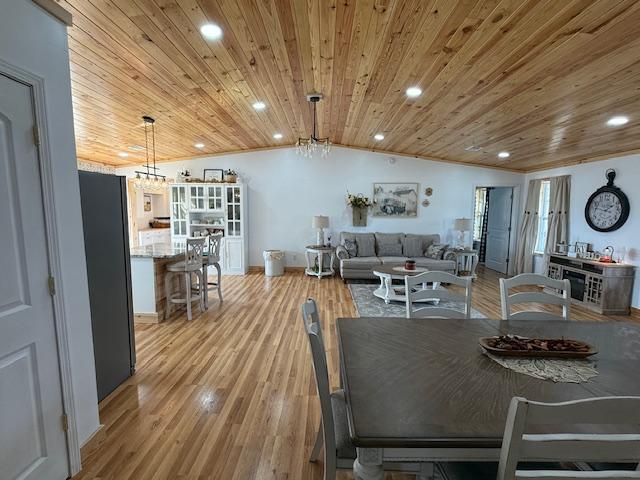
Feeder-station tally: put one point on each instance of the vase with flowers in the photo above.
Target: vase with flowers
(359, 205)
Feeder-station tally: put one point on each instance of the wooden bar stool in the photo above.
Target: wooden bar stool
(192, 264)
(212, 258)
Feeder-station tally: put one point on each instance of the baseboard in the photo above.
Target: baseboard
(146, 318)
(259, 269)
(93, 443)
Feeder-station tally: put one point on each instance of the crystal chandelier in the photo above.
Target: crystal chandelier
(307, 147)
(150, 179)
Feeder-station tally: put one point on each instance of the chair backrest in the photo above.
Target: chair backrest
(213, 247)
(524, 417)
(312, 326)
(194, 253)
(415, 293)
(563, 298)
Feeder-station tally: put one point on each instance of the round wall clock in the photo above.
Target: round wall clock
(608, 207)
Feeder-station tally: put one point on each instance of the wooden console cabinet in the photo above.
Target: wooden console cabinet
(603, 287)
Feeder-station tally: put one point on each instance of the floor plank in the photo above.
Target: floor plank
(230, 395)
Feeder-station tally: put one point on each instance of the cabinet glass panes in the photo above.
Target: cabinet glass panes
(197, 198)
(234, 220)
(214, 198)
(179, 210)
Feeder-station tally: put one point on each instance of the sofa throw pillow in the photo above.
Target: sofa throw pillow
(390, 250)
(412, 247)
(435, 251)
(351, 247)
(366, 245)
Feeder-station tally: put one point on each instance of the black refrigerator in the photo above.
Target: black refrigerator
(106, 240)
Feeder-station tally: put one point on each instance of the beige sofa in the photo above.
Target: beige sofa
(375, 249)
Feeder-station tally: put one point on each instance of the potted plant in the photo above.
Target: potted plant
(359, 205)
(230, 176)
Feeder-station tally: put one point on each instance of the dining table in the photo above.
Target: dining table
(422, 390)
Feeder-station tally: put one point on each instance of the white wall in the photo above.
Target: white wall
(586, 179)
(286, 190)
(33, 41)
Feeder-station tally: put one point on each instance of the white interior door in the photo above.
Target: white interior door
(32, 441)
(499, 229)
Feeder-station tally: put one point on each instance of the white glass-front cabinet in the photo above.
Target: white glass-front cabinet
(215, 198)
(201, 207)
(196, 194)
(179, 210)
(235, 245)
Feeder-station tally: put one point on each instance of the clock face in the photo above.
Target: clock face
(605, 210)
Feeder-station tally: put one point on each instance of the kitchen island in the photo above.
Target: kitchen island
(148, 266)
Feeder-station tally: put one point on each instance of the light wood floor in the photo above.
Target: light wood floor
(230, 395)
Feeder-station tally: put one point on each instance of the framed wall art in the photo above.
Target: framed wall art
(395, 199)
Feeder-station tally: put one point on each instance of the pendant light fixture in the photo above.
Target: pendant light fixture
(150, 179)
(308, 146)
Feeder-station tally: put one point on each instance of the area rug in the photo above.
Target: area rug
(368, 305)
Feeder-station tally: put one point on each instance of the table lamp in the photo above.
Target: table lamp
(320, 222)
(462, 225)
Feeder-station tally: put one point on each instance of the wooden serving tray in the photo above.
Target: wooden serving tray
(534, 353)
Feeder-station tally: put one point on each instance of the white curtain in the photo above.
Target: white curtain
(528, 230)
(558, 226)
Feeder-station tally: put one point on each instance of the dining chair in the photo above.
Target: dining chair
(416, 292)
(525, 441)
(191, 265)
(212, 259)
(339, 452)
(563, 298)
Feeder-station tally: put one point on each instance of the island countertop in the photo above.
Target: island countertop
(157, 250)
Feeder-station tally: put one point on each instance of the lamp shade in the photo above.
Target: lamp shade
(320, 221)
(462, 224)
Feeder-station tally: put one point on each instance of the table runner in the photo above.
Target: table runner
(554, 369)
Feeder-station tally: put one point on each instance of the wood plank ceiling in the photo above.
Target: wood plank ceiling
(536, 78)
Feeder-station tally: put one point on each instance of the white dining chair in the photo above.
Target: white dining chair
(562, 298)
(339, 452)
(212, 259)
(191, 265)
(529, 436)
(416, 293)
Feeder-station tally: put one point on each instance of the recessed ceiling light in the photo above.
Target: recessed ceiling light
(259, 105)
(504, 154)
(123, 154)
(413, 92)
(617, 121)
(277, 136)
(199, 145)
(378, 136)
(211, 31)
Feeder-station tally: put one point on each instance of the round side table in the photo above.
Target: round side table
(319, 268)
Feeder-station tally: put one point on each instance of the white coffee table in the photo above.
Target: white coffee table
(389, 293)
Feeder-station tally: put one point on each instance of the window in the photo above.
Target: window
(543, 214)
(478, 214)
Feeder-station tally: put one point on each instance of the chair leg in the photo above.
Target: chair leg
(315, 453)
(203, 289)
(187, 287)
(217, 265)
(205, 286)
(167, 293)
